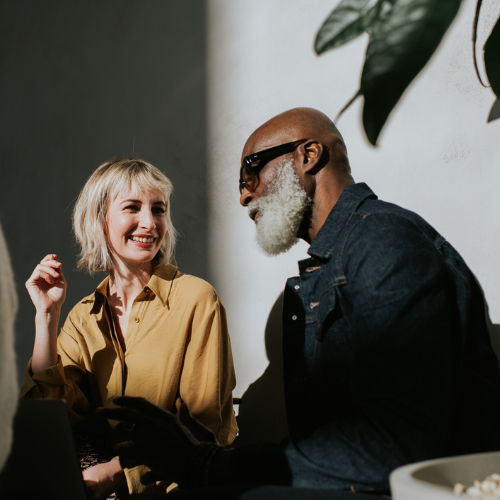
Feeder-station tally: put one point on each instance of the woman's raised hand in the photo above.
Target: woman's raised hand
(47, 285)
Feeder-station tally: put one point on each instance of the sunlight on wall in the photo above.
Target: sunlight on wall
(437, 156)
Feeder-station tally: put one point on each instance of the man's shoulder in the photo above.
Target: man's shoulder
(383, 214)
(385, 232)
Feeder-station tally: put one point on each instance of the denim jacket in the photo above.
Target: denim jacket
(386, 350)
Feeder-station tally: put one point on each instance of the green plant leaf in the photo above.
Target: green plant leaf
(400, 46)
(492, 58)
(350, 19)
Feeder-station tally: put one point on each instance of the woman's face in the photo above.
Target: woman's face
(136, 225)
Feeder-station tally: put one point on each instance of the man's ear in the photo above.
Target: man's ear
(312, 154)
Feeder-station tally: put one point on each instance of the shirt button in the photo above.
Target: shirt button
(297, 287)
(136, 319)
(294, 317)
(48, 372)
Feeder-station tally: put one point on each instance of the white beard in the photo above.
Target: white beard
(281, 210)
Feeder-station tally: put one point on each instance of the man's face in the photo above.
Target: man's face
(277, 206)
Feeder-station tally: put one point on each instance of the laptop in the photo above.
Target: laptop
(43, 463)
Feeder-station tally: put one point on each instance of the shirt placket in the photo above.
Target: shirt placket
(137, 315)
(119, 382)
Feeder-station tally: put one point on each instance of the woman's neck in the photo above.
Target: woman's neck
(126, 282)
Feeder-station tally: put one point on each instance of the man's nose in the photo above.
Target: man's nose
(246, 197)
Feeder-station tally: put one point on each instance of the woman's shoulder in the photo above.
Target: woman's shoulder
(183, 283)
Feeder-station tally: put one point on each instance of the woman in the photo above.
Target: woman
(148, 330)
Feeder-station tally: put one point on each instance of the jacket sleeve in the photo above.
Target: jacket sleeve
(66, 379)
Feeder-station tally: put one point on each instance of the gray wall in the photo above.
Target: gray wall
(81, 82)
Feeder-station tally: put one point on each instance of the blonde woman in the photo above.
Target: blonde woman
(148, 330)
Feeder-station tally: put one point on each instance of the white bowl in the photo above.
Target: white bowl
(435, 479)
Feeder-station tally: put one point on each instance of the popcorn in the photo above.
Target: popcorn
(489, 488)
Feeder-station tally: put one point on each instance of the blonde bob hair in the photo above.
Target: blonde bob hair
(89, 215)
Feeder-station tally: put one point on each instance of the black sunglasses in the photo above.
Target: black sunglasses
(254, 163)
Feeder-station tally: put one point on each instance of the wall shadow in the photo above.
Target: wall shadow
(262, 416)
(81, 82)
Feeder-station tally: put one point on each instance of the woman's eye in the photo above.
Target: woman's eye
(132, 207)
(160, 211)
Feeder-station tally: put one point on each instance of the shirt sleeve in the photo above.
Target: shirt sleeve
(65, 380)
(207, 377)
(138, 490)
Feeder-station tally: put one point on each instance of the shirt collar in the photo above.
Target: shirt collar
(160, 284)
(349, 201)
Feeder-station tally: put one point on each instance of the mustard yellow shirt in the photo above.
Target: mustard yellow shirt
(177, 348)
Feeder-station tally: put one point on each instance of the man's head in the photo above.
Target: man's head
(294, 168)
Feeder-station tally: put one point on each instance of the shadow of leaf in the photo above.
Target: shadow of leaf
(495, 111)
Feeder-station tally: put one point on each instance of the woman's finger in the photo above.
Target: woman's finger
(42, 268)
(48, 257)
(53, 264)
(42, 273)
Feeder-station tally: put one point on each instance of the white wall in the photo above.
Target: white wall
(437, 156)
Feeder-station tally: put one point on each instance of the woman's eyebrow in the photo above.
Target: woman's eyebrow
(159, 202)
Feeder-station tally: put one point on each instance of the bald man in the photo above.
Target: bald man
(386, 349)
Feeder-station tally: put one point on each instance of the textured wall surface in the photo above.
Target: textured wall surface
(81, 82)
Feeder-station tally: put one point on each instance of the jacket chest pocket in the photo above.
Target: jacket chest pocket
(331, 350)
(328, 311)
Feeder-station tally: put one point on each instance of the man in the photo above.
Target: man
(387, 355)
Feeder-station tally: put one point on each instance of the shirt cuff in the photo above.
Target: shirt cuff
(150, 491)
(53, 375)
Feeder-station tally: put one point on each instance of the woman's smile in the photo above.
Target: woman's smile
(143, 240)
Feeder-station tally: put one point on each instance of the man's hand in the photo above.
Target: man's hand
(154, 437)
(199, 431)
(103, 479)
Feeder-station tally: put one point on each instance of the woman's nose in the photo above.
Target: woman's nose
(147, 220)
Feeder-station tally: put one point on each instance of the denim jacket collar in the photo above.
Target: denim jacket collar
(347, 204)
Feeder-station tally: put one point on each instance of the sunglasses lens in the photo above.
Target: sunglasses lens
(248, 179)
